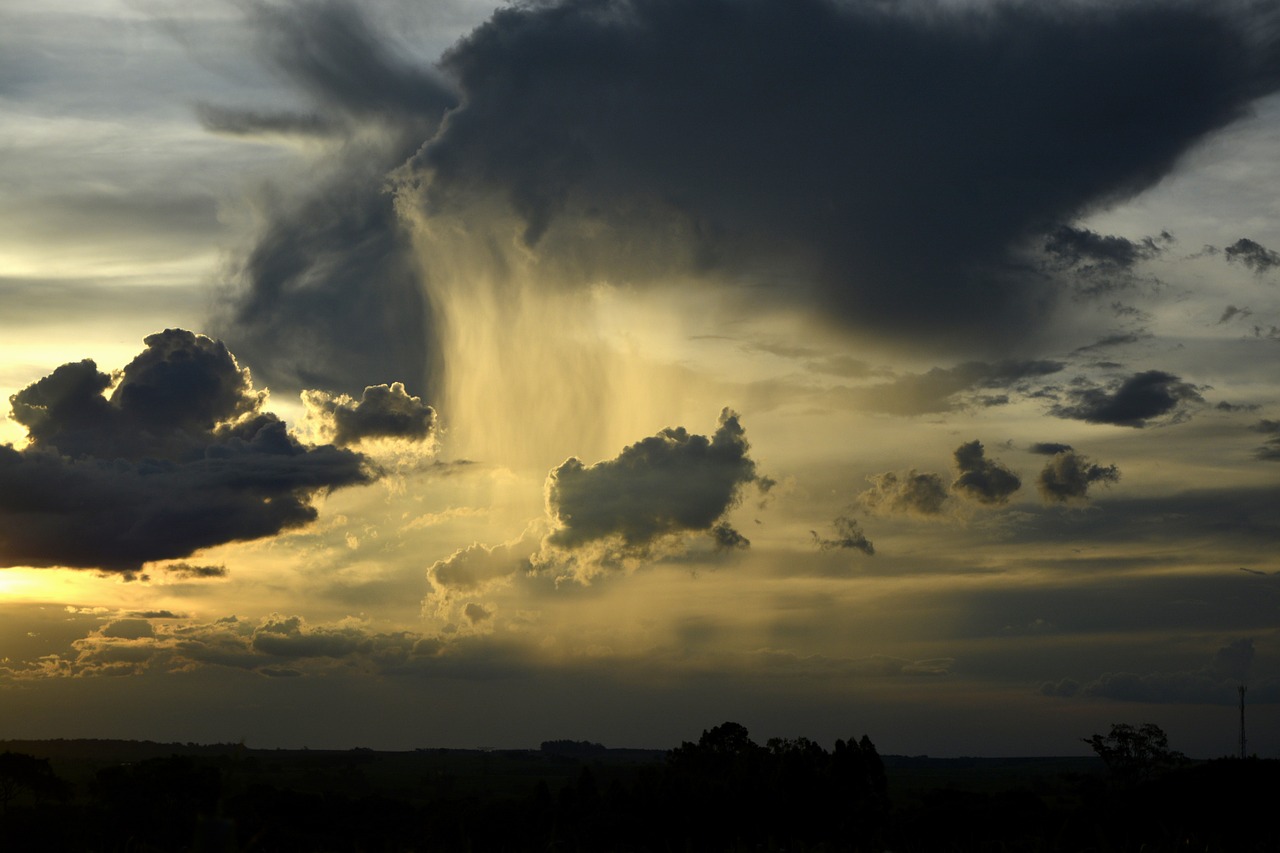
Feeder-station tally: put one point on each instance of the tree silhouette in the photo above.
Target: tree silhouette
(20, 773)
(1135, 754)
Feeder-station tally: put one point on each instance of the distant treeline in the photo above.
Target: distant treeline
(723, 792)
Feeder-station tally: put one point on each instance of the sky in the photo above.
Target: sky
(404, 374)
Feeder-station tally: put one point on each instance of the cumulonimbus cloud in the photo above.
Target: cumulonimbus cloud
(900, 155)
(181, 456)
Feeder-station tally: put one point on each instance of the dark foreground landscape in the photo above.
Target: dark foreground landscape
(722, 793)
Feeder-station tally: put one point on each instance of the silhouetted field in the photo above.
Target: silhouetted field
(722, 793)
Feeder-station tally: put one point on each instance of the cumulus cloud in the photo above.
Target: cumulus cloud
(383, 411)
(909, 151)
(984, 480)
(1068, 476)
(940, 389)
(179, 457)
(848, 535)
(1252, 255)
(1133, 402)
(670, 483)
(475, 571)
(911, 493)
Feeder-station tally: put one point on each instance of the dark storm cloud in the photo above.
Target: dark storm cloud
(1134, 402)
(939, 389)
(1271, 449)
(898, 152)
(848, 535)
(1068, 476)
(911, 493)
(330, 294)
(383, 411)
(179, 457)
(1252, 255)
(672, 482)
(981, 479)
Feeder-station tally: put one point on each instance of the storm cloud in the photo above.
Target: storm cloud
(903, 155)
(1271, 449)
(1133, 402)
(1068, 476)
(180, 457)
(981, 479)
(330, 294)
(673, 482)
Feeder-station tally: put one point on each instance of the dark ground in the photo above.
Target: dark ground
(723, 793)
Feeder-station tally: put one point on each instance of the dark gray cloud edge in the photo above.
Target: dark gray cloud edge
(904, 154)
(180, 457)
(673, 482)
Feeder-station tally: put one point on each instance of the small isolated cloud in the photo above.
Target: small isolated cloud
(189, 571)
(1232, 312)
(181, 456)
(911, 493)
(1049, 448)
(383, 411)
(848, 535)
(1068, 476)
(1269, 451)
(670, 483)
(1133, 402)
(981, 479)
(940, 389)
(1252, 255)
